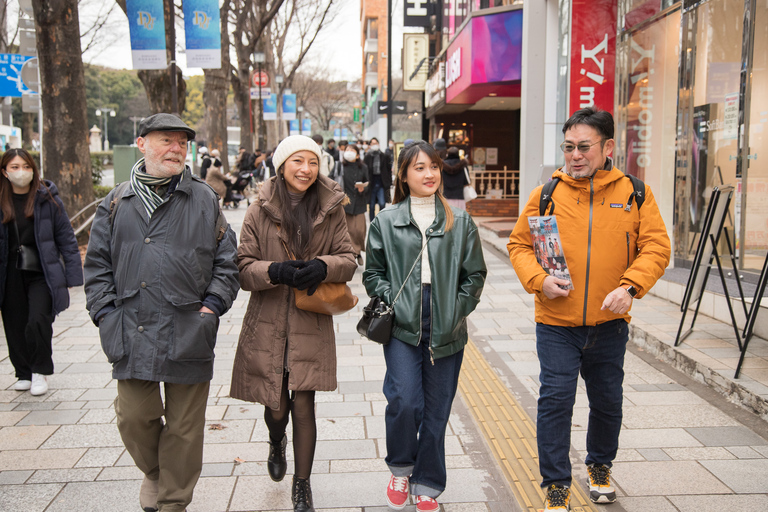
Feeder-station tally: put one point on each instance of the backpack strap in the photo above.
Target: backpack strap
(546, 196)
(638, 194)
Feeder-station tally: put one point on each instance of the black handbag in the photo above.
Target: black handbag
(378, 317)
(27, 257)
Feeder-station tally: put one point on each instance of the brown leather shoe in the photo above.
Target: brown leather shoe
(148, 494)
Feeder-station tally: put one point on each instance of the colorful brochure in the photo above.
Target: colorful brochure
(548, 247)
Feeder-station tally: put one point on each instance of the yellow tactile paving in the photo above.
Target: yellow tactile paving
(509, 431)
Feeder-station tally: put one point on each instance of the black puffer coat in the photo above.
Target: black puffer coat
(56, 244)
(453, 177)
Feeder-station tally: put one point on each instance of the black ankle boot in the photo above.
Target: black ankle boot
(276, 463)
(301, 496)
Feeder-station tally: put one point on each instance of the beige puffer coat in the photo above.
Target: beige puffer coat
(272, 319)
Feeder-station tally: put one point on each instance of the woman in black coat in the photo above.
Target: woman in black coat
(356, 187)
(454, 178)
(39, 260)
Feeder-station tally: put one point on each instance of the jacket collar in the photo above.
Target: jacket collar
(404, 218)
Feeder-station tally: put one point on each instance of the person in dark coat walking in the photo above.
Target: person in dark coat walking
(33, 282)
(454, 178)
(379, 177)
(159, 272)
(356, 187)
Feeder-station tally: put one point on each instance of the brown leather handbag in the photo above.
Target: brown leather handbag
(328, 299)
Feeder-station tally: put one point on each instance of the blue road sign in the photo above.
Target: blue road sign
(10, 75)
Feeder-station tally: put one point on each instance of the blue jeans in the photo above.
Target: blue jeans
(419, 397)
(377, 196)
(598, 353)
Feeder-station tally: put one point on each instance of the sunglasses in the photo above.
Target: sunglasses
(568, 147)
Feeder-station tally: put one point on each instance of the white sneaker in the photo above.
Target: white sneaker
(22, 385)
(39, 385)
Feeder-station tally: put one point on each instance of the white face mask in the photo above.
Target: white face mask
(374, 147)
(391, 146)
(20, 178)
(365, 146)
(350, 156)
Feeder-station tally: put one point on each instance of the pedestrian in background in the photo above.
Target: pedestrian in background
(379, 177)
(159, 272)
(455, 172)
(616, 251)
(39, 260)
(356, 187)
(423, 358)
(294, 237)
(332, 149)
(327, 163)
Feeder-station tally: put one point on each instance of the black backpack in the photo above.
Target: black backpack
(638, 195)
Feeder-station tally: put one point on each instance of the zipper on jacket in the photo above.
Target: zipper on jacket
(589, 249)
(627, 249)
(431, 352)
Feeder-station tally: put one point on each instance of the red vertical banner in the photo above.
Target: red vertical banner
(593, 54)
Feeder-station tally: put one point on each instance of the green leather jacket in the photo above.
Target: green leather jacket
(457, 266)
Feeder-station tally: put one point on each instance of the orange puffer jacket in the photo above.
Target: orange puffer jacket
(604, 245)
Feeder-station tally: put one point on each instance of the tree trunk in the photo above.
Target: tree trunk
(215, 96)
(66, 160)
(242, 93)
(27, 127)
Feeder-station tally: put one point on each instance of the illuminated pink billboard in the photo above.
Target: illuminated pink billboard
(485, 58)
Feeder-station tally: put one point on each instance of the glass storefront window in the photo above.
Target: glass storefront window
(648, 63)
(756, 179)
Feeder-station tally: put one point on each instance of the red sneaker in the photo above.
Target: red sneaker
(397, 492)
(426, 504)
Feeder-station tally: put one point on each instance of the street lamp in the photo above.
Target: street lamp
(279, 82)
(135, 120)
(111, 113)
(259, 58)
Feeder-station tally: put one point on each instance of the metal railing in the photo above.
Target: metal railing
(496, 184)
(79, 226)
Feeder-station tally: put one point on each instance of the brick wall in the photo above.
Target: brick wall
(493, 207)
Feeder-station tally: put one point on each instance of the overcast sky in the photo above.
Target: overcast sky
(338, 44)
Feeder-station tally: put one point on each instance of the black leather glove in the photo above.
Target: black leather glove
(311, 275)
(284, 272)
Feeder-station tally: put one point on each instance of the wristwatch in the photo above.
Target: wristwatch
(631, 290)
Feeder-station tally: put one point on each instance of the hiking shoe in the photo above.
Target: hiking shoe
(39, 385)
(558, 498)
(426, 504)
(148, 494)
(397, 492)
(22, 385)
(600, 488)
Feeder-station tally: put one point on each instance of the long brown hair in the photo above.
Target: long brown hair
(297, 222)
(404, 160)
(6, 203)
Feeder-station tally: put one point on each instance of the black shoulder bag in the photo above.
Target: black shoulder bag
(378, 317)
(27, 257)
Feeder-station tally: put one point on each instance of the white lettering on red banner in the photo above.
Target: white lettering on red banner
(593, 54)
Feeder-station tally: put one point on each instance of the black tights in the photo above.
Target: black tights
(302, 411)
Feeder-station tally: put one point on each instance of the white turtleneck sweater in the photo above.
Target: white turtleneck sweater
(423, 212)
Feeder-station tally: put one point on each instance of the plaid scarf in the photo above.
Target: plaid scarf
(143, 185)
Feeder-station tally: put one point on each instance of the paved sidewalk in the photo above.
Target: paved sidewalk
(683, 447)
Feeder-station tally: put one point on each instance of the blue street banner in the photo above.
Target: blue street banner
(10, 75)
(306, 126)
(344, 134)
(147, 26)
(270, 107)
(293, 127)
(289, 107)
(336, 133)
(202, 28)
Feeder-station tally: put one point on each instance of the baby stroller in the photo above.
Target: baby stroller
(237, 192)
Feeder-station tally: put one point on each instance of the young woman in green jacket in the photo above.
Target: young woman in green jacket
(430, 330)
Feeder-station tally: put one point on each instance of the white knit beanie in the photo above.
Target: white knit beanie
(291, 145)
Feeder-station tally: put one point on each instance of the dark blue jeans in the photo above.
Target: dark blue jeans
(377, 196)
(598, 353)
(419, 397)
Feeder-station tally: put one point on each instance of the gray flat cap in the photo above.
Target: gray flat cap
(164, 123)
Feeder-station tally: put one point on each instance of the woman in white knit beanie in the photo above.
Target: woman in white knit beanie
(293, 236)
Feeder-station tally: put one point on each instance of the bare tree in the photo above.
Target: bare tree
(250, 19)
(95, 33)
(157, 82)
(323, 100)
(65, 124)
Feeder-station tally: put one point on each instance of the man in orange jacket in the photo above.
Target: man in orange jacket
(615, 251)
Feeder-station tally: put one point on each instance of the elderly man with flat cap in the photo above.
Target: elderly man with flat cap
(159, 272)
